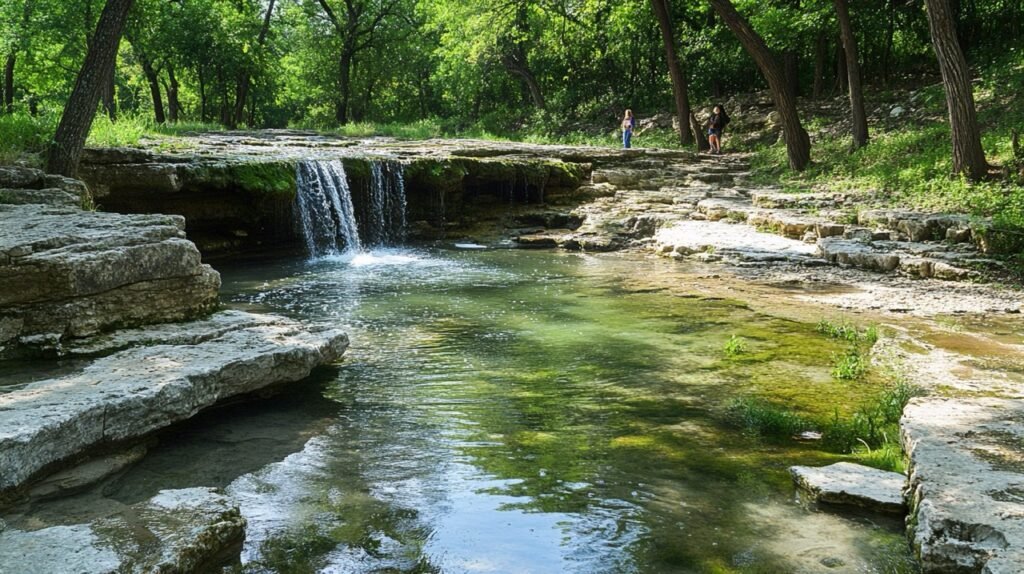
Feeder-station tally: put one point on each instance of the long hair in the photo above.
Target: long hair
(721, 110)
(629, 113)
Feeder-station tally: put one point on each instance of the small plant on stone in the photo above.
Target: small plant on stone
(735, 346)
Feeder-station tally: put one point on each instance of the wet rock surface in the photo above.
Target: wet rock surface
(966, 483)
(188, 530)
(136, 391)
(852, 484)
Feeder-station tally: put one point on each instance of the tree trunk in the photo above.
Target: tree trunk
(675, 70)
(173, 105)
(841, 74)
(860, 119)
(820, 57)
(154, 88)
(202, 95)
(798, 144)
(968, 156)
(246, 80)
(791, 68)
(698, 133)
(109, 96)
(890, 31)
(9, 83)
(75, 122)
(344, 85)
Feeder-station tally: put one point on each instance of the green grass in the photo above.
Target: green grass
(761, 418)
(853, 363)
(850, 366)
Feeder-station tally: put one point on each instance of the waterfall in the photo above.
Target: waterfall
(383, 215)
(326, 217)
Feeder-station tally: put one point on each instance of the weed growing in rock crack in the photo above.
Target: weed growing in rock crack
(735, 346)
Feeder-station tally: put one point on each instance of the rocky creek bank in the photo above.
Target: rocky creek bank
(130, 300)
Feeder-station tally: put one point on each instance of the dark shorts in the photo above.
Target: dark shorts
(714, 132)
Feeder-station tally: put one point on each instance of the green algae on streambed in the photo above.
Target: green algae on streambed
(510, 411)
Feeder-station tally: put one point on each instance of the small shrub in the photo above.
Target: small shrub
(849, 366)
(735, 346)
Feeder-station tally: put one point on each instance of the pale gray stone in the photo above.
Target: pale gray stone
(853, 484)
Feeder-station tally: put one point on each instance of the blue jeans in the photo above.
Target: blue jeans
(627, 138)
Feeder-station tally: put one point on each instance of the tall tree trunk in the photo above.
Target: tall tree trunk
(968, 156)
(675, 70)
(202, 94)
(344, 85)
(820, 57)
(841, 75)
(173, 105)
(890, 31)
(153, 79)
(798, 144)
(9, 83)
(791, 69)
(109, 96)
(75, 122)
(245, 81)
(860, 119)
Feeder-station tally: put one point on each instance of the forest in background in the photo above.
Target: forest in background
(548, 71)
(500, 65)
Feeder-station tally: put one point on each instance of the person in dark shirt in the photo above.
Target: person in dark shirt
(628, 123)
(716, 126)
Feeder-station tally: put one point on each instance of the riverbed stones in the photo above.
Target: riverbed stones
(966, 483)
(127, 395)
(853, 484)
(67, 273)
(187, 530)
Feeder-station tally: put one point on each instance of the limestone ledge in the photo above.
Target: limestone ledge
(187, 530)
(131, 393)
(966, 483)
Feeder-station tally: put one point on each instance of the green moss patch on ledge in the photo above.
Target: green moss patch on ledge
(270, 179)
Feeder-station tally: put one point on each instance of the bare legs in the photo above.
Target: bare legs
(715, 142)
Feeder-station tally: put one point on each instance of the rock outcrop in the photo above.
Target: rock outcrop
(131, 393)
(853, 484)
(966, 483)
(67, 273)
(188, 530)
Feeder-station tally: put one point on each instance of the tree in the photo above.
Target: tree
(75, 122)
(860, 118)
(356, 32)
(798, 144)
(968, 156)
(675, 70)
(242, 93)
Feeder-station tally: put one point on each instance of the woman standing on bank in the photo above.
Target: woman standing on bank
(628, 123)
(716, 125)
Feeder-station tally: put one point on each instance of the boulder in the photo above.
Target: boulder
(67, 273)
(853, 484)
(127, 395)
(188, 530)
(966, 483)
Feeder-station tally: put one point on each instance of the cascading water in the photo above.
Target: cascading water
(326, 216)
(384, 213)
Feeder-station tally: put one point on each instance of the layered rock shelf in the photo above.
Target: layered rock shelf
(134, 392)
(187, 530)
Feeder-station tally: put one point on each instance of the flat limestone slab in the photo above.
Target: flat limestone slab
(854, 484)
(175, 531)
(139, 390)
(739, 241)
(966, 483)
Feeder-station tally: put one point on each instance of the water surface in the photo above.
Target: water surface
(537, 412)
